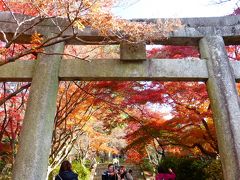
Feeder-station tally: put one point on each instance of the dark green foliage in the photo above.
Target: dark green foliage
(2, 165)
(5, 170)
(88, 164)
(214, 170)
(147, 166)
(188, 168)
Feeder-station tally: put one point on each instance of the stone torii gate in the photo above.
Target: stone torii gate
(210, 34)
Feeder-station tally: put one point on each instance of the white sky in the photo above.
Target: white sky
(175, 8)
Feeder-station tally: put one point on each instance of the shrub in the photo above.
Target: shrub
(194, 168)
(5, 171)
(2, 165)
(53, 173)
(147, 166)
(81, 170)
(214, 170)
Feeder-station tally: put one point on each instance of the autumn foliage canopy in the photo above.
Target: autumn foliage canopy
(129, 117)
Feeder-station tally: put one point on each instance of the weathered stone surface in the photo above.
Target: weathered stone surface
(194, 29)
(140, 70)
(35, 138)
(225, 104)
(132, 51)
(158, 69)
(17, 71)
(199, 21)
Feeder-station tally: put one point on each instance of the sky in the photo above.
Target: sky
(174, 9)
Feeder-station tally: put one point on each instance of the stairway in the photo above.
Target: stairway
(137, 173)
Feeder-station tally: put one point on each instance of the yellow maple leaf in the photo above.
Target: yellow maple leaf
(36, 38)
(79, 25)
(203, 107)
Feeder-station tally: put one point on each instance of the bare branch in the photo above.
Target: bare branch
(67, 54)
(4, 36)
(4, 99)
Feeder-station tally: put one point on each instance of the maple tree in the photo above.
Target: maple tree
(95, 14)
(80, 14)
(74, 109)
(191, 126)
(93, 110)
(79, 115)
(96, 140)
(12, 107)
(188, 109)
(173, 52)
